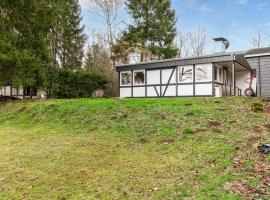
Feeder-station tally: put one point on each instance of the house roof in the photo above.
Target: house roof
(215, 58)
(258, 52)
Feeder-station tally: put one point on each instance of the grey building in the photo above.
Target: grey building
(259, 60)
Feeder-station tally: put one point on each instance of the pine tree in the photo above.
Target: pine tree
(69, 35)
(153, 29)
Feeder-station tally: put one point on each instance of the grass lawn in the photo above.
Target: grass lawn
(189, 148)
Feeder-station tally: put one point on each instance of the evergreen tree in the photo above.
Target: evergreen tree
(153, 29)
(69, 35)
(24, 55)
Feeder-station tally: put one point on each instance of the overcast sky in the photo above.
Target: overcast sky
(236, 20)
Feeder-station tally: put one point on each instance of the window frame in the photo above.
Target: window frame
(192, 75)
(211, 74)
(135, 71)
(219, 79)
(122, 72)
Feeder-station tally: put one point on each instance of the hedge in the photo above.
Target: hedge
(63, 83)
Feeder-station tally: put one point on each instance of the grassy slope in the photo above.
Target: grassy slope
(133, 149)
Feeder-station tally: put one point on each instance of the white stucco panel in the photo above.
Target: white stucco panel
(153, 77)
(185, 90)
(166, 73)
(125, 92)
(203, 89)
(151, 92)
(170, 92)
(139, 92)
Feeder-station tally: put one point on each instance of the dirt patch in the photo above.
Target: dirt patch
(123, 114)
(214, 123)
(217, 130)
(253, 139)
(82, 174)
(257, 129)
(167, 141)
(267, 126)
(161, 114)
(189, 114)
(201, 130)
(267, 108)
(244, 189)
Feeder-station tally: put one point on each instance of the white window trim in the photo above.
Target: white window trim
(121, 78)
(204, 81)
(191, 76)
(134, 77)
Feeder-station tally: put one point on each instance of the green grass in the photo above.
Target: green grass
(185, 148)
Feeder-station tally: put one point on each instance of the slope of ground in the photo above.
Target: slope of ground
(203, 148)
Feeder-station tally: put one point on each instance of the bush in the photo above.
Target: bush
(63, 83)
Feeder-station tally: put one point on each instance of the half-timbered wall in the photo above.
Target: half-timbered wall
(180, 81)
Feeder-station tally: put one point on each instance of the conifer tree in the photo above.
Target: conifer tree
(69, 35)
(153, 29)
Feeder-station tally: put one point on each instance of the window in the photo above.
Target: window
(185, 74)
(229, 78)
(218, 74)
(225, 77)
(138, 77)
(203, 73)
(125, 78)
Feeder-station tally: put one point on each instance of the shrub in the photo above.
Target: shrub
(63, 83)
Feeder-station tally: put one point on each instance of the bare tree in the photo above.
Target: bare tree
(256, 41)
(191, 43)
(182, 43)
(198, 42)
(108, 10)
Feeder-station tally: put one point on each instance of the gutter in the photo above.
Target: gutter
(257, 55)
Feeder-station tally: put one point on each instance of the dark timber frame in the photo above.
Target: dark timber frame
(174, 64)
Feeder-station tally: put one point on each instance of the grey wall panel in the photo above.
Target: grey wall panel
(263, 74)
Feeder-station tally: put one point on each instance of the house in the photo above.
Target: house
(224, 74)
(8, 90)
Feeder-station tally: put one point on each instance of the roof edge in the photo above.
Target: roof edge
(257, 55)
(177, 59)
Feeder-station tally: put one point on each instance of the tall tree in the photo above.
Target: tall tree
(109, 11)
(24, 53)
(153, 29)
(69, 36)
